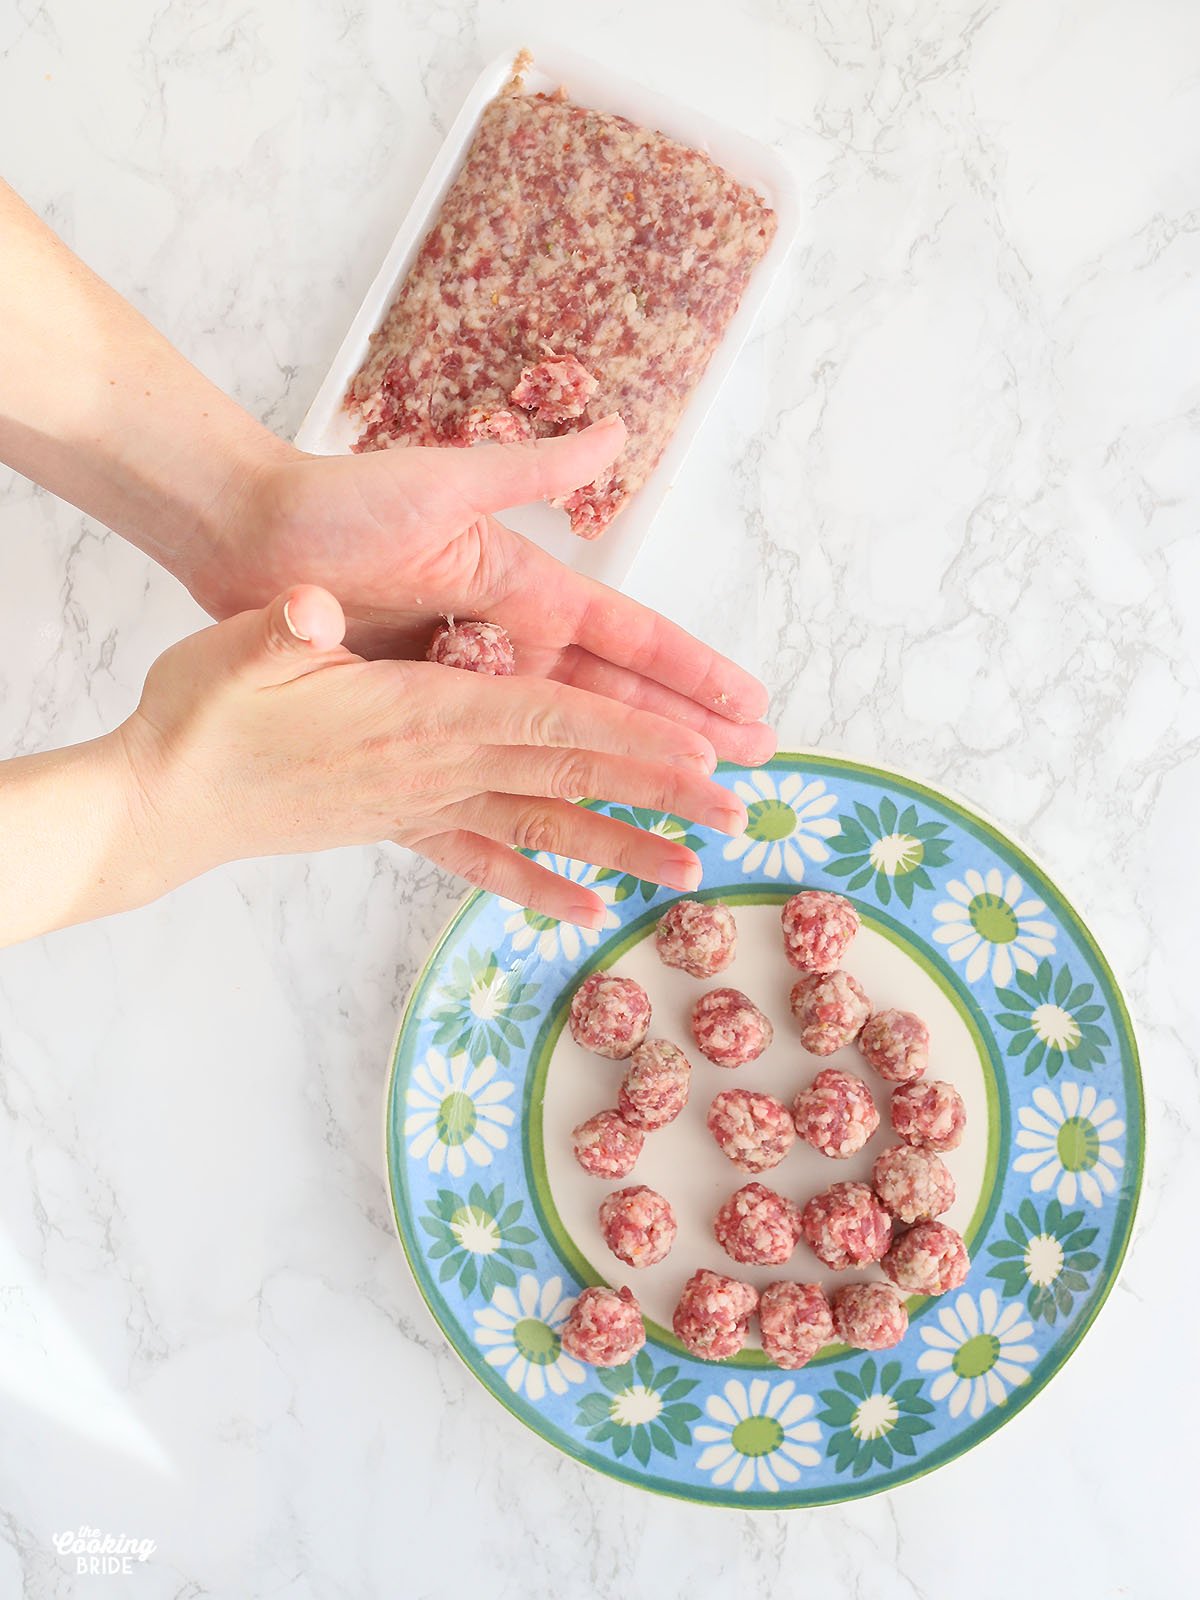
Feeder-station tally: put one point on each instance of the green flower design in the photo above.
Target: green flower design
(641, 1410)
(624, 884)
(1052, 1019)
(478, 1240)
(480, 1005)
(890, 850)
(1049, 1255)
(875, 1417)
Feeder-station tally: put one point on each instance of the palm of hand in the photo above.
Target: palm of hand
(405, 536)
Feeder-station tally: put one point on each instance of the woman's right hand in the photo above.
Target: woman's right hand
(263, 735)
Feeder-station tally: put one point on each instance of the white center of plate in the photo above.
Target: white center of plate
(683, 1162)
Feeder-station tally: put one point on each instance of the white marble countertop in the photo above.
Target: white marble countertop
(947, 506)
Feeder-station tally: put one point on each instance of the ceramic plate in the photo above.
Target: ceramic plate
(499, 1224)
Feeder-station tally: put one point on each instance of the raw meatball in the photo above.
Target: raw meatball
(604, 1328)
(869, 1316)
(638, 1225)
(495, 427)
(929, 1259)
(606, 1146)
(896, 1043)
(754, 1130)
(713, 1315)
(757, 1227)
(610, 1015)
(655, 1087)
(835, 1114)
(929, 1115)
(697, 936)
(818, 928)
(473, 647)
(913, 1184)
(729, 1028)
(846, 1226)
(795, 1322)
(830, 1008)
(555, 390)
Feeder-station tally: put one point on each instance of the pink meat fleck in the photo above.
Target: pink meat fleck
(495, 427)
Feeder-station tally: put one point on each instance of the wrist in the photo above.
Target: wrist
(231, 568)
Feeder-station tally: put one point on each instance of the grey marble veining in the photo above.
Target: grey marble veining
(947, 506)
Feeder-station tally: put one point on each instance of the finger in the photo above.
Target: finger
(747, 743)
(497, 867)
(497, 476)
(558, 828)
(473, 708)
(617, 629)
(570, 774)
(294, 635)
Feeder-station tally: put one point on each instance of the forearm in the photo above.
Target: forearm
(74, 845)
(97, 406)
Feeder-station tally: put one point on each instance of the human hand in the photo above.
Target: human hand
(264, 735)
(403, 536)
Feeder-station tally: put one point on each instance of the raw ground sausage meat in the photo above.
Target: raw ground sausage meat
(929, 1115)
(555, 390)
(754, 1130)
(568, 232)
(830, 1008)
(896, 1043)
(818, 929)
(757, 1227)
(713, 1315)
(913, 1184)
(846, 1226)
(869, 1316)
(655, 1087)
(929, 1259)
(473, 647)
(697, 936)
(610, 1015)
(638, 1225)
(606, 1146)
(835, 1114)
(729, 1028)
(795, 1322)
(495, 427)
(604, 1327)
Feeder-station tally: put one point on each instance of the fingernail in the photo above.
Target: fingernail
(725, 819)
(305, 638)
(607, 422)
(683, 875)
(585, 915)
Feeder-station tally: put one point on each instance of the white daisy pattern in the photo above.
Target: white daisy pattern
(528, 928)
(989, 922)
(979, 1352)
(761, 1435)
(788, 824)
(520, 1334)
(456, 1113)
(1068, 1141)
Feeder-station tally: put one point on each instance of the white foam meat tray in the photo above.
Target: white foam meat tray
(329, 430)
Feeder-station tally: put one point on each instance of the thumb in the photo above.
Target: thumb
(496, 477)
(290, 637)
